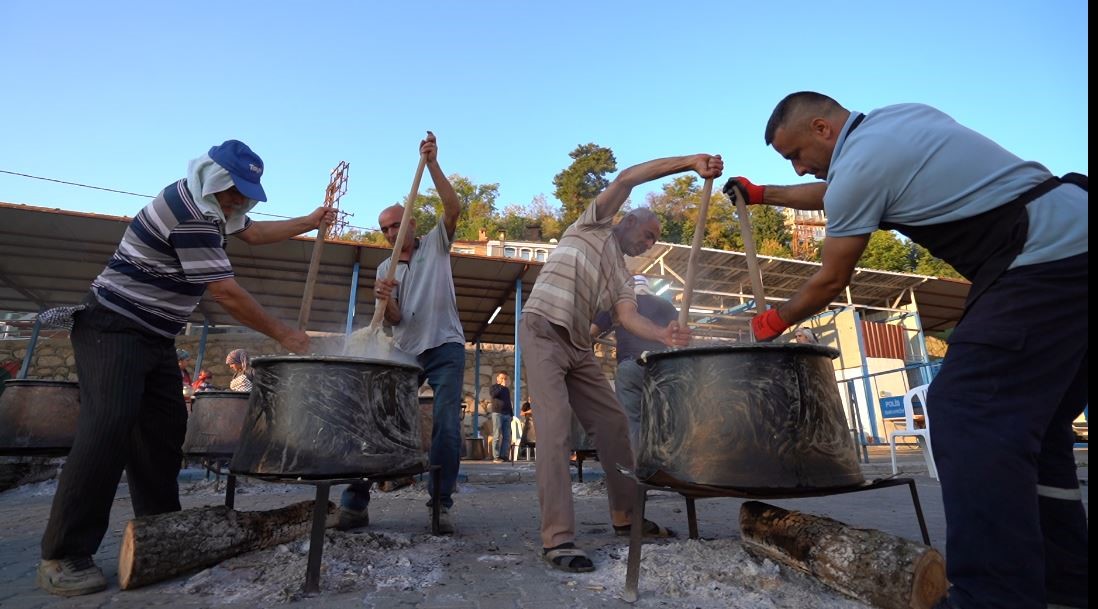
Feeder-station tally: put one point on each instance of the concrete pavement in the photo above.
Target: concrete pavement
(492, 563)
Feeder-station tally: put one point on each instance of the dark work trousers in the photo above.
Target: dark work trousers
(1000, 419)
(132, 416)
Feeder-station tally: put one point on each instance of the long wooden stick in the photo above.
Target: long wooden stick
(379, 310)
(695, 248)
(749, 249)
(310, 278)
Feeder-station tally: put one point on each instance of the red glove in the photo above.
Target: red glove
(768, 326)
(753, 194)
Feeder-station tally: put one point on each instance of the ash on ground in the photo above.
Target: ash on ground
(365, 561)
(590, 488)
(717, 574)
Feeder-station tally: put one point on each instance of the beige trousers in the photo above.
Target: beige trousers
(562, 379)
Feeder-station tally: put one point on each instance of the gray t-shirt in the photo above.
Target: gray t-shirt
(428, 304)
(913, 164)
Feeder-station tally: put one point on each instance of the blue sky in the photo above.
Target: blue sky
(123, 94)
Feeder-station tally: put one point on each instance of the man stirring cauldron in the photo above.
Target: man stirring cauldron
(132, 413)
(421, 307)
(586, 274)
(1016, 372)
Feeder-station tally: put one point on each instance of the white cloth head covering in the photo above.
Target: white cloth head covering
(205, 178)
(640, 285)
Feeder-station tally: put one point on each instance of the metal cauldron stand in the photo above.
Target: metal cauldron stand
(693, 492)
(295, 399)
(320, 516)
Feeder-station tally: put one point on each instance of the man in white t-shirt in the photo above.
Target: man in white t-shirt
(421, 308)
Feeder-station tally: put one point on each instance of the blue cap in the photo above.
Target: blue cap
(243, 165)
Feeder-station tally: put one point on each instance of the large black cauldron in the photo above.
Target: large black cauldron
(752, 417)
(327, 417)
(213, 426)
(38, 417)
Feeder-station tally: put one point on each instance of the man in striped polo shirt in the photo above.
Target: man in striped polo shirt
(586, 274)
(132, 413)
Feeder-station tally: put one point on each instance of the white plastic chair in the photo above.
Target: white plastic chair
(922, 435)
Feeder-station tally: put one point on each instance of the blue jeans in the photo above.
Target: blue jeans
(629, 386)
(501, 436)
(444, 370)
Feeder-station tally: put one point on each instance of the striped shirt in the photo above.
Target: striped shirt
(159, 272)
(585, 274)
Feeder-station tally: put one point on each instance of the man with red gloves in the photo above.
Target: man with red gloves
(1015, 374)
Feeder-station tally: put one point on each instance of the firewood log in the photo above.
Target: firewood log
(155, 548)
(872, 566)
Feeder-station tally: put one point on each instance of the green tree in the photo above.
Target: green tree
(926, 264)
(886, 252)
(672, 204)
(513, 222)
(677, 207)
(548, 217)
(579, 184)
(772, 236)
(369, 237)
(478, 209)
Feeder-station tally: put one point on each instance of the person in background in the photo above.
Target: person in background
(184, 358)
(132, 413)
(585, 274)
(202, 381)
(238, 362)
(421, 308)
(805, 336)
(502, 413)
(529, 433)
(1016, 372)
(629, 379)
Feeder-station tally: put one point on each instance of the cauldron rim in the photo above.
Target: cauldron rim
(738, 348)
(220, 393)
(40, 383)
(339, 359)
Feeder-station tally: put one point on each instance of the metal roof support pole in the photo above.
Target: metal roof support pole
(30, 348)
(869, 397)
(202, 346)
(476, 392)
(518, 349)
(351, 300)
(855, 421)
(924, 355)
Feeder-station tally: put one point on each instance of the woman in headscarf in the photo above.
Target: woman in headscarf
(237, 359)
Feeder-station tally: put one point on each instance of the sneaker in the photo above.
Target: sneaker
(71, 576)
(445, 522)
(497, 460)
(352, 519)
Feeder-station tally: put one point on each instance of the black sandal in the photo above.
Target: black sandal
(650, 529)
(567, 557)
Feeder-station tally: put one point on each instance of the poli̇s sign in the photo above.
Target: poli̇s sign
(892, 407)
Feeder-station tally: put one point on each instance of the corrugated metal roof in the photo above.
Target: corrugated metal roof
(723, 282)
(48, 257)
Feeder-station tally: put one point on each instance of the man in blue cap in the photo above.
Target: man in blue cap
(132, 414)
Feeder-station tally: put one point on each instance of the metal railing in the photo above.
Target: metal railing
(867, 402)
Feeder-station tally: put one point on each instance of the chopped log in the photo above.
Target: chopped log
(155, 548)
(872, 566)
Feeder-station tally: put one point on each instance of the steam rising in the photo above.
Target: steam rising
(371, 342)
